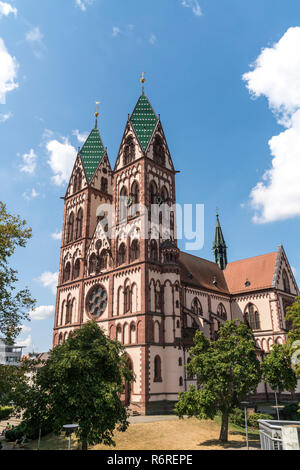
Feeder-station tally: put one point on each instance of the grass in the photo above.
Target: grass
(187, 434)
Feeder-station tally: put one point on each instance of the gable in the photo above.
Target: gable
(284, 271)
(128, 132)
(150, 151)
(77, 167)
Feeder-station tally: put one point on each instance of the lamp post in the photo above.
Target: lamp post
(70, 428)
(276, 400)
(245, 405)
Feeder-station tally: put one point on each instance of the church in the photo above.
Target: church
(133, 279)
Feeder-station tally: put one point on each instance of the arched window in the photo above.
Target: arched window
(158, 152)
(76, 269)
(286, 282)
(180, 362)
(164, 195)
(134, 250)
(104, 185)
(252, 317)
(70, 228)
(103, 260)
(132, 334)
(153, 192)
(67, 272)
(153, 251)
(180, 382)
(129, 151)
(77, 181)
(197, 307)
(127, 299)
(60, 338)
(123, 204)
(69, 309)
(119, 333)
(135, 193)
(122, 254)
(79, 219)
(92, 263)
(157, 369)
(222, 312)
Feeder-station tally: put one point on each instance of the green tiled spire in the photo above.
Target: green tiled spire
(144, 121)
(92, 153)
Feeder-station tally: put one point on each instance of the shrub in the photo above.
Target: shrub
(5, 412)
(290, 412)
(31, 433)
(238, 418)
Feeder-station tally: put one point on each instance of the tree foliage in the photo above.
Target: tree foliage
(227, 371)
(277, 369)
(80, 383)
(14, 305)
(293, 316)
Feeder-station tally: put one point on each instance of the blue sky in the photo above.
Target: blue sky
(58, 57)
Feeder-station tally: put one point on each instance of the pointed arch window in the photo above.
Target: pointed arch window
(92, 263)
(67, 272)
(70, 228)
(134, 250)
(103, 260)
(123, 204)
(252, 317)
(286, 282)
(221, 312)
(197, 307)
(76, 271)
(69, 310)
(77, 181)
(122, 254)
(104, 185)
(153, 192)
(129, 151)
(157, 369)
(164, 195)
(127, 299)
(153, 251)
(79, 220)
(158, 152)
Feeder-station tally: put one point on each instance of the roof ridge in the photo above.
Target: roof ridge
(252, 257)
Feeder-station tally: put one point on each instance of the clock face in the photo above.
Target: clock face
(96, 301)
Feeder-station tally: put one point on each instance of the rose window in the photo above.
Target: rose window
(96, 302)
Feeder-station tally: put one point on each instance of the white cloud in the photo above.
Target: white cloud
(61, 161)
(34, 35)
(56, 235)
(116, 31)
(153, 39)
(25, 343)
(25, 329)
(42, 313)
(81, 136)
(49, 280)
(276, 75)
(31, 195)
(82, 4)
(194, 5)
(29, 162)
(6, 9)
(8, 72)
(5, 117)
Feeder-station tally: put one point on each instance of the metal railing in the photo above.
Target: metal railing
(270, 433)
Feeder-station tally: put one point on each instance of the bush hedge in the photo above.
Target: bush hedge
(290, 412)
(31, 433)
(5, 412)
(238, 418)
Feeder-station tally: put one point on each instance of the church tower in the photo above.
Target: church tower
(219, 247)
(90, 185)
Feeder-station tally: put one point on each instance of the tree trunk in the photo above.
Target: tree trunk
(84, 445)
(224, 427)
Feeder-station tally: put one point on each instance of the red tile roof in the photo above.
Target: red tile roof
(259, 271)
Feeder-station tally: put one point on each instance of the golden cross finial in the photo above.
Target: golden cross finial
(97, 113)
(143, 80)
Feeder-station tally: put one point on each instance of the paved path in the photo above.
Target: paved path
(151, 419)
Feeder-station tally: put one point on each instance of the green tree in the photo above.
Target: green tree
(293, 316)
(80, 383)
(14, 305)
(227, 371)
(277, 369)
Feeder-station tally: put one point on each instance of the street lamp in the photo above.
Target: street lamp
(277, 407)
(245, 404)
(70, 428)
